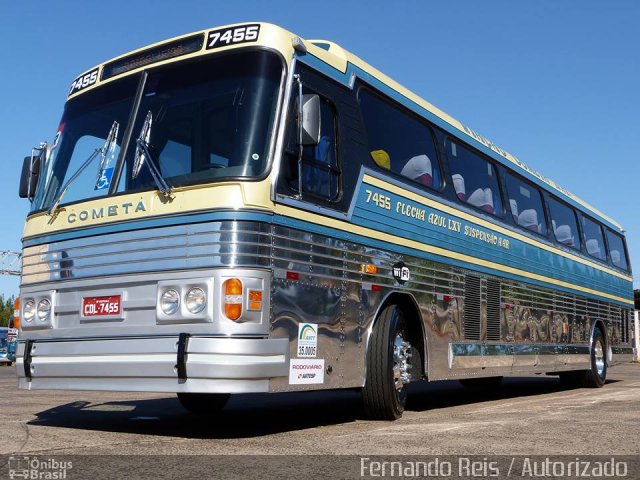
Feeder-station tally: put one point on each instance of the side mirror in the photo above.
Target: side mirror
(309, 125)
(30, 176)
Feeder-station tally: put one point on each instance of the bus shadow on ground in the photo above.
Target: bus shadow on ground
(443, 394)
(255, 415)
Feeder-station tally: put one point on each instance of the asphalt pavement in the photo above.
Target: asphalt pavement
(531, 415)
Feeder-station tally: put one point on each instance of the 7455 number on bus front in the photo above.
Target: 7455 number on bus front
(230, 36)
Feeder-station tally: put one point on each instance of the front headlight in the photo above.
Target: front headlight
(170, 302)
(44, 310)
(29, 310)
(195, 300)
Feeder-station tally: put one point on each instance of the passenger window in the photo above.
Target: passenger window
(320, 172)
(399, 142)
(593, 240)
(526, 205)
(565, 226)
(617, 251)
(474, 179)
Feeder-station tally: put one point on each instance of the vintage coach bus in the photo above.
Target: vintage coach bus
(243, 210)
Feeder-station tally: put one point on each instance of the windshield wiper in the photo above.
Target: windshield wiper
(106, 156)
(143, 153)
(102, 151)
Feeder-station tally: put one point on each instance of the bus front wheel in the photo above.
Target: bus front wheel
(388, 366)
(203, 403)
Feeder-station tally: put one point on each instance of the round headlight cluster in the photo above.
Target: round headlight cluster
(195, 300)
(170, 302)
(44, 310)
(29, 311)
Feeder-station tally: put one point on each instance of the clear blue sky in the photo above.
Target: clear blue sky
(557, 83)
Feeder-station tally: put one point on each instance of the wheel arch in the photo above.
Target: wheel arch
(413, 317)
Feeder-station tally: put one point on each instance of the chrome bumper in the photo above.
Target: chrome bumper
(153, 364)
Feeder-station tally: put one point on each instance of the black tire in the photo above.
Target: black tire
(481, 384)
(597, 374)
(382, 400)
(203, 403)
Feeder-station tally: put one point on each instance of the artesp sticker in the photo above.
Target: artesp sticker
(306, 372)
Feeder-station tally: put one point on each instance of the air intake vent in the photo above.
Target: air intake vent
(471, 308)
(493, 310)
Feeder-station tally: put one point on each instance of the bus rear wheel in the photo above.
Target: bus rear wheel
(203, 403)
(597, 374)
(388, 366)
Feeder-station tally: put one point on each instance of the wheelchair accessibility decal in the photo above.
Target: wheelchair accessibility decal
(105, 179)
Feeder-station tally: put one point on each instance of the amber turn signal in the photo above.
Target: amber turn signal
(255, 300)
(369, 269)
(232, 302)
(16, 313)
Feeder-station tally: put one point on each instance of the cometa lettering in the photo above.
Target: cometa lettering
(105, 212)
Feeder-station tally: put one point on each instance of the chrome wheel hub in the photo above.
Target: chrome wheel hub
(599, 355)
(401, 365)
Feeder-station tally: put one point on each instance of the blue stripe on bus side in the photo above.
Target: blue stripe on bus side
(345, 79)
(519, 254)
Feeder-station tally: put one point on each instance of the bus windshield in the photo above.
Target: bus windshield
(212, 120)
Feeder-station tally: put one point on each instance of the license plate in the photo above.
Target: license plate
(101, 306)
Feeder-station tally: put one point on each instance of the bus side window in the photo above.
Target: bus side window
(617, 252)
(525, 199)
(565, 226)
(593, 239)
(474, 179)
(399, 142)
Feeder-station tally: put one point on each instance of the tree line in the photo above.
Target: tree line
(6, 309)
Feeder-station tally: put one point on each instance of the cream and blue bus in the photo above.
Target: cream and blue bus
(243, 210)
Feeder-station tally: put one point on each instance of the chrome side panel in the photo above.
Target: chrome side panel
(622, 355)
(327, 292)
(476, 359)
(540, 330)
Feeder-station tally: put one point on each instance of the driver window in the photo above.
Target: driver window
(320, 173)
